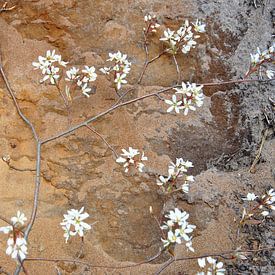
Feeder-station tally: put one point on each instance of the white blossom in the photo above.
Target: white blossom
(175, 104)
(250, 197)
(18, 249)
(20, 218)
(178, 228)
(210, 266)
(199, 26)
(90, 72)
(132, 158)
(183, 38)
(75, 218)
(86, 90)
(120, 79)
(72, 74)
(177, 216)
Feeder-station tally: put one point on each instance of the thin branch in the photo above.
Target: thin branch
(15, 101)
(5, 220)
(114, 107)
(177, 67)
(36, 192)
(83, 124)
(221, 254)
(147, 62)
(56, 260)
(123, 95)
(104, 140)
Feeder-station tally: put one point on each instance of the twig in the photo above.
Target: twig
(123, 95)
(5, 220)
(253, 166)
(164, 90)
(15, 101)
(104, 140)
(147, 62)
(221, 254)
(95, 266)
(177, 67)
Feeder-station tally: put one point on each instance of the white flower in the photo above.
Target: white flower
(212, 266)
(19, 219)
(58, 58)
(120, 80)
(201, 262)
(255, 59)
(265, 213)
(177, 216)
(175, 104)
(72, 74)
(90, 71)
(187, 105)
(6, 229)
(250, 197)
(162, 180)
(270, 73)
(118, 57)
(171, 238)
(86, 90)
(185, 188)
(189, 246)
(17, 249)
(184, 230)
(130, 158)
(168, 34)
(75, 218)
(51, 74)
(199, 26)
(147, 17)
(105, 70)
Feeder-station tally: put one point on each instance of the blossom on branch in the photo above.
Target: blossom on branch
(151, 24)
(132, 158)
(184, 38)
(210, 266)
(176, 177)
(17, 245)
(119, 70)
(73, 223)
(190, 97)
(177, 229)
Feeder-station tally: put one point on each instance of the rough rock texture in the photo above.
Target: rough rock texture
(221, 138)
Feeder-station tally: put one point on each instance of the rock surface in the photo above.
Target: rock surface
(221, 138)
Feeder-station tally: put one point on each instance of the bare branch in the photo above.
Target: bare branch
(104, 140)
(221, 254)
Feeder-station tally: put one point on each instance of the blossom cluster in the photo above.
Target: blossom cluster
(17, 245)
(50, 66)
(151, 24)
(187, 97)
(73, 223)
(184, 38)
(178, 229)
(176, 173)
(132, 158)
(81, 79)
(119, 70)
(258, 205)
(210, 266)
(263, 57)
